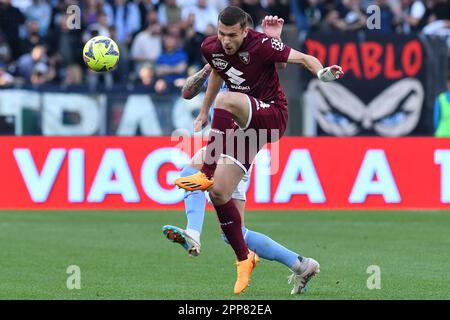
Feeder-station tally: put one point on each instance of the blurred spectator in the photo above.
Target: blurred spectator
(218, 4)
(193, 41)
(199, 22)
(91, 10)
(5, 78)
(203, 15)
(26, 65)
(32, 36)
(22, 5)
(148, 79)
(255, 10)
(309, 14)
(58, 11)
(66, 44)
(146, 75)
(73, 75)
(94, 79)
(175, 30)
(145, 6)
(100, 28)
(440, 10)
(40, 11)
(412, 14)
(185, 3)
(11, 19)
(169, 13)
(172, 63)
(348, 16)
(442, 112)
(125, 17)
(137, 25)
(147, 45)
(439, 20)
(387, 17)
(5, 50)
(280, 8)
(42, 73)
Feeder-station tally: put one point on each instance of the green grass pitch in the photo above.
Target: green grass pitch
(123, 255)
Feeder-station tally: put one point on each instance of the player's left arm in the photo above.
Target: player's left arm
(273, 26)
(313, 64)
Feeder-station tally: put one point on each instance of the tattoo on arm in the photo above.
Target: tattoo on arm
(194, 84)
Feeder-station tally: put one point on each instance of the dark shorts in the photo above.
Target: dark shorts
(267, 123)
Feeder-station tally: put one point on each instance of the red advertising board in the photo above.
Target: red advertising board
(307, 173)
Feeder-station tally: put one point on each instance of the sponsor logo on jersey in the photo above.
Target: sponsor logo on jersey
(234, 76)
(244, 56)
(240, 88)
(264, 40)
(236, 79)
(219, 63)
(277, 44)
(215, 55)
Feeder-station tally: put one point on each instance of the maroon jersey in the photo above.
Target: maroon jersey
(251, 70)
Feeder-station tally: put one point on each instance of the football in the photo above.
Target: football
(101, 54)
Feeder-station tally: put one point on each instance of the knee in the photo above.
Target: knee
(222, 101)
(219, 196)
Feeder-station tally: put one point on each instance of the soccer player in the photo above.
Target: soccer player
(195, 200)
(245, 60)
(261, 244)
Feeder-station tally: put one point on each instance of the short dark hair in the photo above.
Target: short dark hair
(250, 23)
(232, 15)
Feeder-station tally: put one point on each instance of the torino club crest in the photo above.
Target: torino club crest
(244, 56)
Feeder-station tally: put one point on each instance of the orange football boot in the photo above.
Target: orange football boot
(244, 270)
(197, 181)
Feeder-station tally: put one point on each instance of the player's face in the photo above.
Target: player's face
(231, 37)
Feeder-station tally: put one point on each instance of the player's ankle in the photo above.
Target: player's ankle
(194, 234)
(299, 266)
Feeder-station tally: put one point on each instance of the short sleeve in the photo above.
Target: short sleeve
(274, 50)
(205, 51)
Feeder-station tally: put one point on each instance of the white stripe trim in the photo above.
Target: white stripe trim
(250, 113)
(245, 234)
(235, 161)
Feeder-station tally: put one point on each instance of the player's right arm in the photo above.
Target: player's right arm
(194, 83)
(214, 84)
(313, 64)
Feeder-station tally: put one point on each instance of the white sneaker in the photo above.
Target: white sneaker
(301, 280)
(180, 236)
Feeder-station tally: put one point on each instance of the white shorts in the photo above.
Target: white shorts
(241, 190)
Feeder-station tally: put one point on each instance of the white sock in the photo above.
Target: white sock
(300, 267)
(194, 234)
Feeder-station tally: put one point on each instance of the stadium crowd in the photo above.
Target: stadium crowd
(41, 41)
